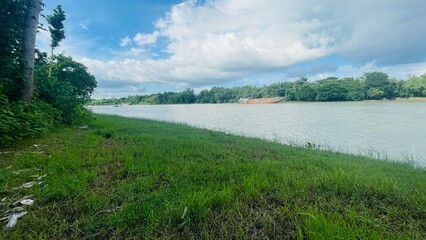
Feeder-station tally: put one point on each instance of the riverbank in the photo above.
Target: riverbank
(414, 99)
(129, 178)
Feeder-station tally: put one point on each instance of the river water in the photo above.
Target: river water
(380, 129)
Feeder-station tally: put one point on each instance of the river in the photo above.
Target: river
(379, 129)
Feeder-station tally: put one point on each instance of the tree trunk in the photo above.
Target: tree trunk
(30, 31)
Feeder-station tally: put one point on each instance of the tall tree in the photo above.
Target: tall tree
(56, 26)
(377, 85)
(29, 37)
(330, 89)
(12, 18)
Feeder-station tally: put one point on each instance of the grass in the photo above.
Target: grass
(137, 179)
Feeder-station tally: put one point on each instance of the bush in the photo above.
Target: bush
(19, 119)
(67, 89)
(59, 97)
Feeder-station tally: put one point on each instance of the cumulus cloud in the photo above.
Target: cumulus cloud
(118, 91)
(217, 41)
(125, 41)
(387, 32)
(310, 69)
(144, 39)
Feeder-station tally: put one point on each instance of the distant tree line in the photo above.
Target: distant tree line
(371, 86)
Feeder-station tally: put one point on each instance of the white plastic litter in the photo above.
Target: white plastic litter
(41, 177)
(184, 212)
(12, 215)
(15, 210)
(28, 185)
(27, 202)
(13, 219)
(39, 145)
(18, 172)
(22, 199)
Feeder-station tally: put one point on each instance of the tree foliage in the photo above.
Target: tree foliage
(305, 92)
(59, 97)
(56, 26)
(67, 88)
(12, 19)
(413, 87)
(331, 90)
(66, 70)
(377, 85)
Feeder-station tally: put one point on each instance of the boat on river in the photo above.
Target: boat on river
(261, 100)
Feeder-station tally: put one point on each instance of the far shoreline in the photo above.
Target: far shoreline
(410, 99)
(413, 99)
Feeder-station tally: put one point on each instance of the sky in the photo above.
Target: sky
(144, 47)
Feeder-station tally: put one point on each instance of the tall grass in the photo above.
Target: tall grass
(128, 178)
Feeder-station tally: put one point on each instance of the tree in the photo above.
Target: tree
(277, 89)
(302, 91)
(67, 89)
(354, 88)
(376, 80)
(413, 87)
(305, 93)
(187, 96)
(12, 18)
(375, 93)
(29, 36)
(301, 81)
(56, 26)
(290, 92)
(54, 99)
(392, 89)
(375, 83)
(330, 89)
(205, 96)
(65, 69)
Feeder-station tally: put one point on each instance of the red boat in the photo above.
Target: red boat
(262, 100)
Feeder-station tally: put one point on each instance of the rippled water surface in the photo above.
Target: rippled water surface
(380, 129)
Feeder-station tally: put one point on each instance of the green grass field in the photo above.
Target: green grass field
(137, 179)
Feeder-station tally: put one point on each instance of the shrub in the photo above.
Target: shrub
(19, 119)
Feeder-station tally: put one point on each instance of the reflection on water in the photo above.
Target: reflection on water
(378, 129)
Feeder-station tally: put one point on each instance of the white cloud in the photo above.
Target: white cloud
(144, 39)
(73, 44)
(125, 41)
(118, 91)
(224, 40)
(84, 24)
(389, 32)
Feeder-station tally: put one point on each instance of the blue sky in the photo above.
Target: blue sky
(142, 47)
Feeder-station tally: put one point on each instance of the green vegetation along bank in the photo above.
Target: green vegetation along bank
(371, 86)
(127, 178)
(37, 91)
